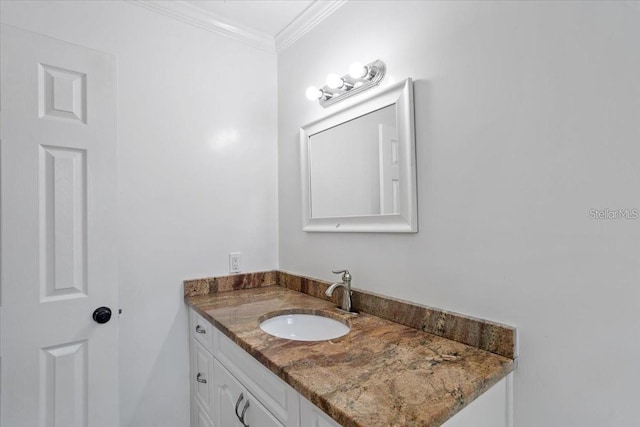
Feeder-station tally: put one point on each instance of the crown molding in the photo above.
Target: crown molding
(193, 15)
(190, 14)
(305, 22)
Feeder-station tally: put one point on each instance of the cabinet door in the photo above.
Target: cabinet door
(199, 417)
(312, 416)
(226, 393)
(202, 376)
(488, 410)
(274, 394)
(258, 416)
(232, 400)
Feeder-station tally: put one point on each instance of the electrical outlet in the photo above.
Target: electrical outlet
(234, 262)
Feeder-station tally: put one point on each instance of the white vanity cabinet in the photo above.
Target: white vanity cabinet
(199, 417)
(490, 409)
(229, 388)
(202, 377)
(277, 397)
(201, 373)
(312, 416)
(235, 406)
(225, 379)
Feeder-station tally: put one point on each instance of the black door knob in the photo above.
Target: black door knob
(102, 314)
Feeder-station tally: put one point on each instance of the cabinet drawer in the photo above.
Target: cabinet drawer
(201, 330)
(276, 395)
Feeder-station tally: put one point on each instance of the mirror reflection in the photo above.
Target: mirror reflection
(354, 167)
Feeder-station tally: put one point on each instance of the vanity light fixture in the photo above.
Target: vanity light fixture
(360, 78)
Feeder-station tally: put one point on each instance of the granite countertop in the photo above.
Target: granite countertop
(381, 373)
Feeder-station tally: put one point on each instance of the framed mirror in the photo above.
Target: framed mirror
(359, 166)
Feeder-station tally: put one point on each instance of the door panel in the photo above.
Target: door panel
(63, 211)
(58, 248)
(64, 384)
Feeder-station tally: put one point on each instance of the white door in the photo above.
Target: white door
(58, 247)
(389, 169)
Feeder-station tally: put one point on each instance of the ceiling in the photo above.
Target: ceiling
(266, 16)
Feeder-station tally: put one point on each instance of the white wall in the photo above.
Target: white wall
(197, 177)
(527, 117)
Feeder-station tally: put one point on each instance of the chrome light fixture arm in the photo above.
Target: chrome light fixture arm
(352, 83)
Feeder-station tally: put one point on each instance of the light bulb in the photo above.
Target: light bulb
(358, 71)
(313, 93)
(334, 81)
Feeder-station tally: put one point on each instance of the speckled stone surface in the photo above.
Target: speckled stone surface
(483, 334)
(380, 374)
(229, 283)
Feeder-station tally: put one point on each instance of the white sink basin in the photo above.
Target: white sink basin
(304, 327)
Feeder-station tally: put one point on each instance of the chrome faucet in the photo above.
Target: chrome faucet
(346, 290)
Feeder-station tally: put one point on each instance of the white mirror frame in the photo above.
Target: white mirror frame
(406, 221)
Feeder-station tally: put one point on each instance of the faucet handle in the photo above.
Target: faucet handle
(346, 276)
